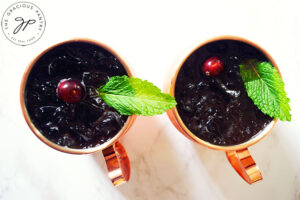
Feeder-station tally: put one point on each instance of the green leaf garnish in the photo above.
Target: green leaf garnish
(266, 89)
(134, 96)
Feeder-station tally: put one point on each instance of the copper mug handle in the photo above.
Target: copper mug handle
(245, 166)
(117, 163)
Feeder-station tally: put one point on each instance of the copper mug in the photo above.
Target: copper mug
(238, 155)
(115, 156)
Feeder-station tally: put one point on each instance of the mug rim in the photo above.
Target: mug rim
(35, 130)
(186, 132)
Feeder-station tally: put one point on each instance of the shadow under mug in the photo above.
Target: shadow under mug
(238, 155)
(115, 156)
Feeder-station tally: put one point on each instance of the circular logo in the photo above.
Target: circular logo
(23, 23)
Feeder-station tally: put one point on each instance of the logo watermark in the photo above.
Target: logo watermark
(23, 23)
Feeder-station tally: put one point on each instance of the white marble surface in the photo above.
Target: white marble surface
(165, 165)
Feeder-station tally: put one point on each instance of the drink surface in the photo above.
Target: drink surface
(218, 109)
(88, 122)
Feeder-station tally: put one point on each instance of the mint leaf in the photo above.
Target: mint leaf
(266, 89)
(134, 96)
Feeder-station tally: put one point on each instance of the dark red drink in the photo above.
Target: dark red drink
(61, 97)
(216, 107)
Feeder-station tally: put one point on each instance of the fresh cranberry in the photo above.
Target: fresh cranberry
(213, 66)
(70, 90)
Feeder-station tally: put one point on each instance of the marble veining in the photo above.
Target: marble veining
(164, 164)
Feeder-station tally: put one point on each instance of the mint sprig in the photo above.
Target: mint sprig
(134, 96)
(266, 89)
